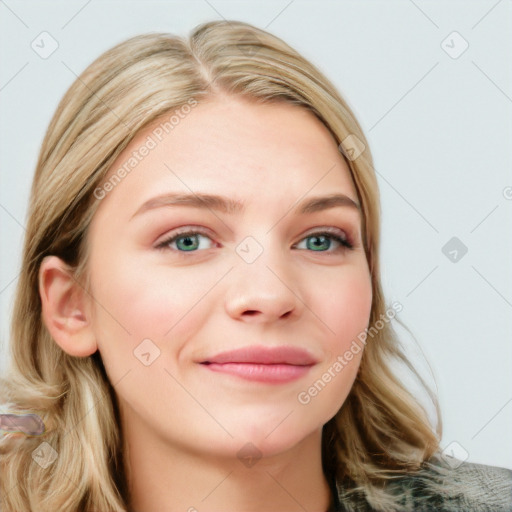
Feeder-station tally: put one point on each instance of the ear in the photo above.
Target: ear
(66, 308)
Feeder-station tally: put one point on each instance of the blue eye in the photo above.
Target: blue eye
(320, 242)
(185, 242)
(323, 241)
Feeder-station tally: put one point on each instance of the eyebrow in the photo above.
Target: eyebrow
(233, 206)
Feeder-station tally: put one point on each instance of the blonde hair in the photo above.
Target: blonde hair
(380, 432)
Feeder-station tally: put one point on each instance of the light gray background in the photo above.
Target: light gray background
(440, 129)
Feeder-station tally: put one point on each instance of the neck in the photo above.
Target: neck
(167, 477)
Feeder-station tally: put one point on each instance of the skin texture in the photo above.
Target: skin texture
(184, 425)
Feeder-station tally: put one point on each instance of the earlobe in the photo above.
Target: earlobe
(65, 308)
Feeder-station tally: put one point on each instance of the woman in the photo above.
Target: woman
(199, 320)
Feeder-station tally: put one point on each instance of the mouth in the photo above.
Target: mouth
(263, 364)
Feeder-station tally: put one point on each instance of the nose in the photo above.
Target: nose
(263, 291)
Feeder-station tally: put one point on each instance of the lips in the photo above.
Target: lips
(263, 364)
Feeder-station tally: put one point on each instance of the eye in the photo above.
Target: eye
(185, 241)
(321, 241)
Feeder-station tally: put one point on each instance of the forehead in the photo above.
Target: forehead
(232, 146)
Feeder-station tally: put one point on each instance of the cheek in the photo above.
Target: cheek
(346, 313)
(135, 302)
(347, 305)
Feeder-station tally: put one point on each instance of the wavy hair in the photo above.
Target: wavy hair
(381, 432)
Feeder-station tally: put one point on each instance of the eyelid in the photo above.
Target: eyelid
(188, 228)
(328, 229)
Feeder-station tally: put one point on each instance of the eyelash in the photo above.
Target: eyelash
(345, 243)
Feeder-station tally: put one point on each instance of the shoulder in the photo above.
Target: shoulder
(456, 486)
(443, 485)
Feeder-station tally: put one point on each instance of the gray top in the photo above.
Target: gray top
(444, 486)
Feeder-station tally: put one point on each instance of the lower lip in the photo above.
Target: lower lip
(270, 373)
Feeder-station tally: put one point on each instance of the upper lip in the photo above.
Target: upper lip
(264, 355)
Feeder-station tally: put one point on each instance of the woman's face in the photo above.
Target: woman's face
(260, 275)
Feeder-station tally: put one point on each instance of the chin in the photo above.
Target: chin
(274, 437)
